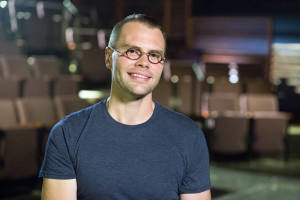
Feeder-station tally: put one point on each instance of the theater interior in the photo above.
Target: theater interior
(232, 66)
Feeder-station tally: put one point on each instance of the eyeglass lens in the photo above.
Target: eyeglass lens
(153, 57)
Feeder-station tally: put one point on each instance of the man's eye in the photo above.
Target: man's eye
(133, 51)
(155, 55)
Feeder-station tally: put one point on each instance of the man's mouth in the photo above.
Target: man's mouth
(138, 75)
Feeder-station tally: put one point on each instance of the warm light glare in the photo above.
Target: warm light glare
(12, 14)
(101, 39)
(199, 70)
(40, 9)
(90, 94)
(30, 60)
(3, 4)
(210, 80)
(290, 46)
(72, 68)
(20, 15)
(71, 8)
(71, 46)
(233, 79)
(167, 71)
(174, 79)
(233, 72)
(23, 15)
(27, 15)
(205, 113)
(70, 39)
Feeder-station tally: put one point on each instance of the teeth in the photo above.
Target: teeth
(138, 75)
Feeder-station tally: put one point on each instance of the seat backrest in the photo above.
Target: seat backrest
(220, 102)
(7, 46)
(259, 102)
(15, 66)
(20, 153)
(36, 88)
(46, 66)
(8, 115)
(36, 110)
(68, 104)
(269, 130)
(230, 133)
(65, 86)
(9, 88)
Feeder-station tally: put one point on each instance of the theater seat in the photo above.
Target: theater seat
(68, 104)
(40, 112)
(230, 133)
(18, 145)
(269, 124)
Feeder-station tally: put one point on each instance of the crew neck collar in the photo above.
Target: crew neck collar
(126, 126)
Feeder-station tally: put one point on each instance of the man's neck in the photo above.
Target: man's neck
(131, 112)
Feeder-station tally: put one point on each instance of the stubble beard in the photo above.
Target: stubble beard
(133, 90)
(139, 91)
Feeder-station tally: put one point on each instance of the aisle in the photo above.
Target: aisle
(250, 185)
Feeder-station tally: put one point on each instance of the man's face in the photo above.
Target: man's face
(139, 77)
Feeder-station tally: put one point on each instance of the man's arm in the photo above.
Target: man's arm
(197, 196)
(54, 189)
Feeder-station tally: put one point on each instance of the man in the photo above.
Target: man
(127, 146)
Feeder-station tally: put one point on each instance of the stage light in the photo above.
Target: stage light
(3, 4)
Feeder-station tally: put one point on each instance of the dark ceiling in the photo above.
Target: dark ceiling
(285, 14)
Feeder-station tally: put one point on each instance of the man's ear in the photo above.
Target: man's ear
(108, 60)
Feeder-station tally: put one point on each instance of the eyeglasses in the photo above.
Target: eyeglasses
(135, 54)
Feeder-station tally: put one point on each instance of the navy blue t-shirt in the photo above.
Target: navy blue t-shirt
(159, 159)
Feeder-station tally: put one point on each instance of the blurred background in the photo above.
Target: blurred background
(233, 67)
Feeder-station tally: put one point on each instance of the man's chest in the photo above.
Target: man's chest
(135, 168)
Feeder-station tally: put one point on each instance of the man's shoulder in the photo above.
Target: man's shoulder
(178, 121)
(175, 117)
(181, 129)
(81, 116)
(72, 125)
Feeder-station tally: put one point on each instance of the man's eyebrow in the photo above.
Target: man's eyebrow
(129, 46)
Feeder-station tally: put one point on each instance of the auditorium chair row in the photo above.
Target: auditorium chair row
(25, 124)
(245, 123)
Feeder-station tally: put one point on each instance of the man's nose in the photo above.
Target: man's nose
(143, 60)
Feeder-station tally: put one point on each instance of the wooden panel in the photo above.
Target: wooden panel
(239, 59)
(229, 35)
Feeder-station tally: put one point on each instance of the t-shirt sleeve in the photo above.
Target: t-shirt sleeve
(197, 174)
(57, 162)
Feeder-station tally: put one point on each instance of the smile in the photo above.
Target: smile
(138, 75)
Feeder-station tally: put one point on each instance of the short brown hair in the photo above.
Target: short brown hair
(142, 18)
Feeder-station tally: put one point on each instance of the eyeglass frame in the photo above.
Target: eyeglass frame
(163, 59)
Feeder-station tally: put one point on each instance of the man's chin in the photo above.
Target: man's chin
(141, 94)
(141, 91)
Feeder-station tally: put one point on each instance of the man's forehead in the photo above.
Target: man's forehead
(130, 30)
(131, 27)
(137, 23)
